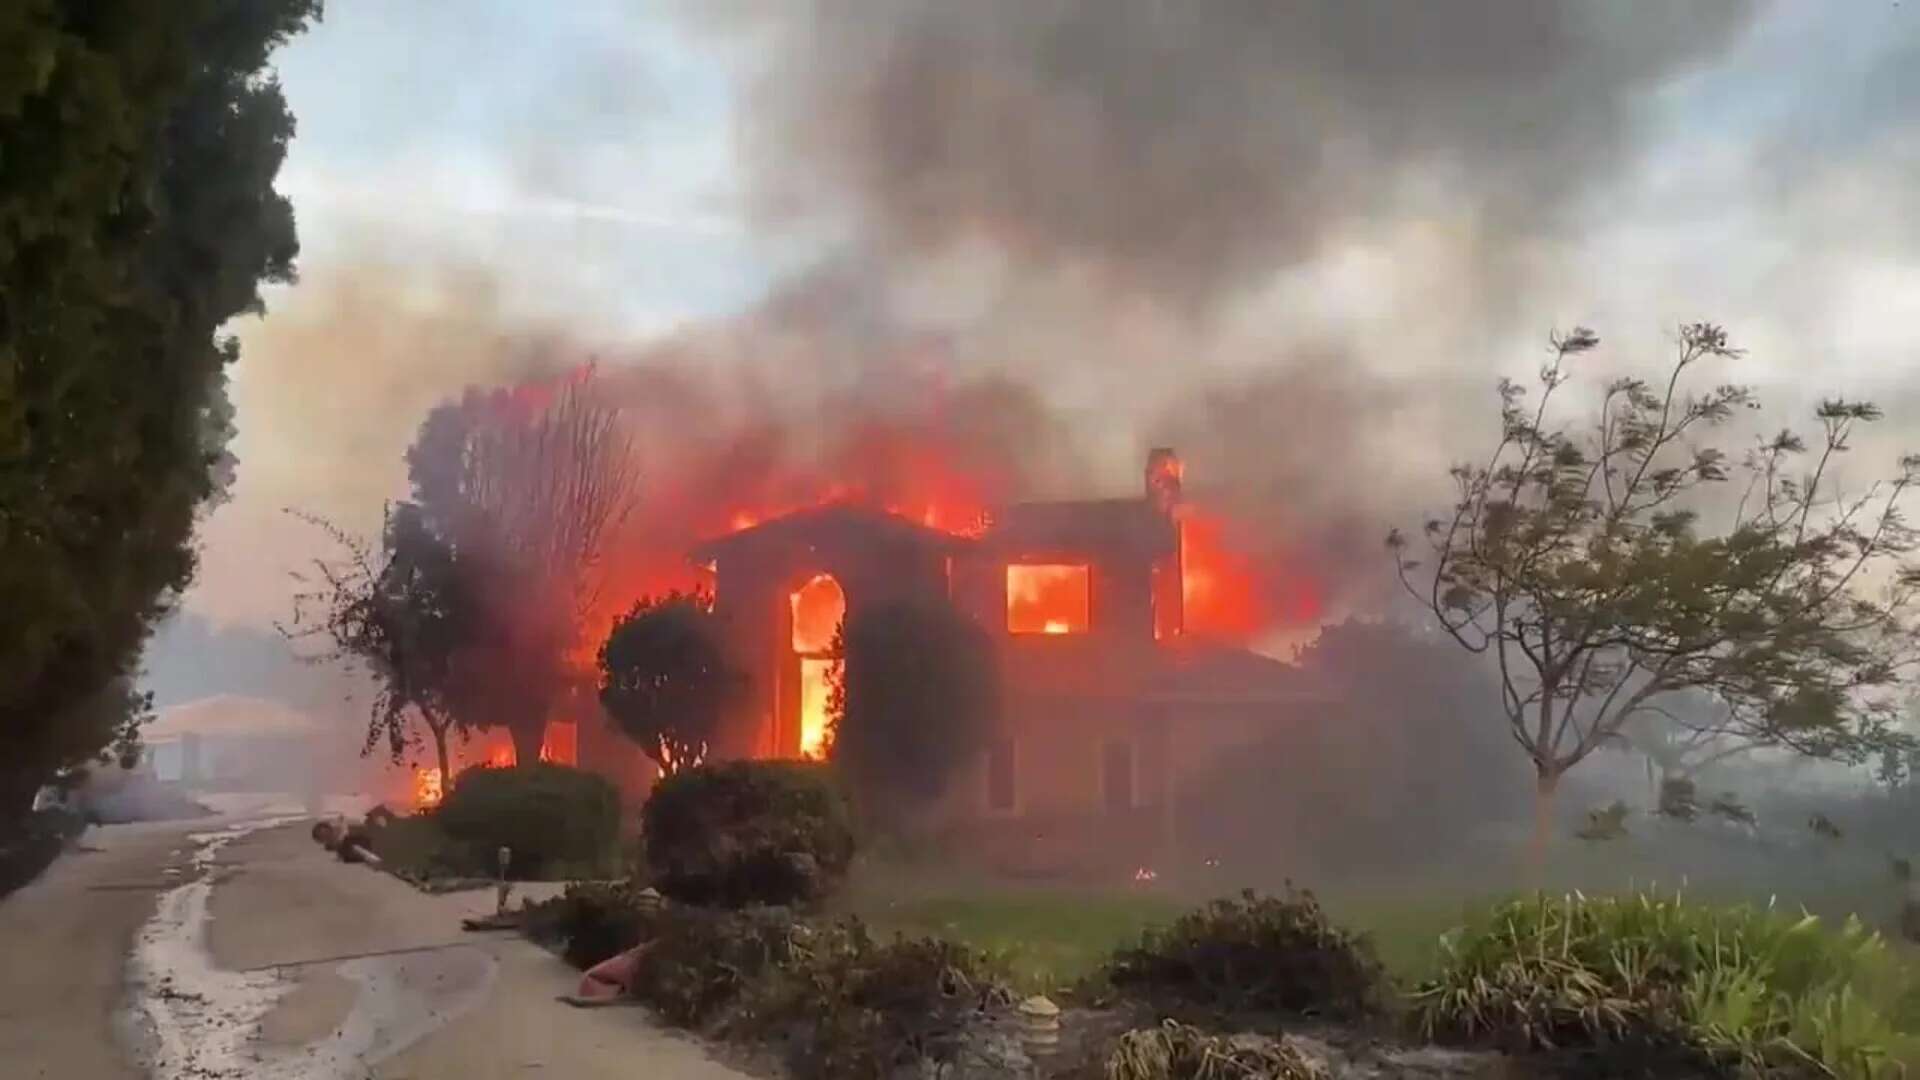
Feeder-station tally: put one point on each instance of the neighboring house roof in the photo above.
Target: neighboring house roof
(229, 715)
(827, 524)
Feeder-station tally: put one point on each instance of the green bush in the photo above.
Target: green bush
(748, 832)
(417, 849)
(703, 961)
(592, 921)
(1740, 989)
(1256, 955)
(559, 821)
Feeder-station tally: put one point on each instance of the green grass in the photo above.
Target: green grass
(1046, 938)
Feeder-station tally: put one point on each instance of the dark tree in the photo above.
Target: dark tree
(140, 143)
(922, 696)
(404, 615)
(666, 678)
(1577, 561)
(528, 484)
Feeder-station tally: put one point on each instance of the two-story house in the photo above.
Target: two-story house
(1108, 705)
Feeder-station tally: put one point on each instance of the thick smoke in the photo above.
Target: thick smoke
(1099, 198)
(1190, 150)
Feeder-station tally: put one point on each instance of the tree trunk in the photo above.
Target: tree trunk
(528, 737)
(1545, 784)
(440, 753)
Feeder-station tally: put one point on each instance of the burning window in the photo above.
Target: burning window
(1048, 598)
(818, 608)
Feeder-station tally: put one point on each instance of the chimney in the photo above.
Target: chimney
(1163, 479)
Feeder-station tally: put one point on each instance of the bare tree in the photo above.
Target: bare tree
(1575, 559)
(529, 485)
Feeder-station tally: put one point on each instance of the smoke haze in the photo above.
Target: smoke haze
(1297, 241)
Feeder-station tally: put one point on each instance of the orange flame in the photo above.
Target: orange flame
(429, 787)
(1047, 598)
(1228, 593)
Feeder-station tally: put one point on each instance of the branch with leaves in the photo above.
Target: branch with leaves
(1575, 558)
(404, 613)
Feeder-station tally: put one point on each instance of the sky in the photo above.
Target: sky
(1301, 240)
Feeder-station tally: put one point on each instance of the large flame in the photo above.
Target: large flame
(1230, 594)
(818, 608)
(1048, 598)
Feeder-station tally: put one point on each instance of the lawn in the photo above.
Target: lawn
(1051, 937)
(1047, 938)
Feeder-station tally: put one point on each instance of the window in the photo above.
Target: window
(1048, 598)
(1116, 775)
(819, 608)
(1002, 797)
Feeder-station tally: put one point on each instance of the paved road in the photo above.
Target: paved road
(284, 963)
(65, 940)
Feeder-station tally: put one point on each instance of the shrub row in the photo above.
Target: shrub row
(1665, 983)
(828, 998)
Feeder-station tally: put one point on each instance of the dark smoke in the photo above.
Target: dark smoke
(1190, 149)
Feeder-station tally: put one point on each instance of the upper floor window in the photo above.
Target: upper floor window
(1048, 598)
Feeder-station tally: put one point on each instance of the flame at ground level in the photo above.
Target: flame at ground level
(429, 787)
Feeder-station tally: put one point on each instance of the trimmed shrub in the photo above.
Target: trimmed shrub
(559, 821)
(416, 849)
(1641, 978)
(703, 961)
(591, 921)
(1254, 955)
(748, 832)
(859, 1008)
(840, 1005)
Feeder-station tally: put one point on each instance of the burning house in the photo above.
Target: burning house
(1109, 705)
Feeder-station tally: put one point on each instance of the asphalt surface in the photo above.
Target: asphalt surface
(213, 950)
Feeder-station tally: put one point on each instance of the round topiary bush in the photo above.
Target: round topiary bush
(558, 821)
(748, 832)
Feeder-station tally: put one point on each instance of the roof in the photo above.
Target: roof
(1085, 525)
(834, 522)
(229, 715)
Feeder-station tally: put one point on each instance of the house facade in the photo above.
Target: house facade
(1108, 706)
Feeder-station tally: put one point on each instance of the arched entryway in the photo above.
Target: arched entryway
(818, 606)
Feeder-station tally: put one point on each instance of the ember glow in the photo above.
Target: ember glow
(674, 762)
(1048, 598)
(429, 787)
